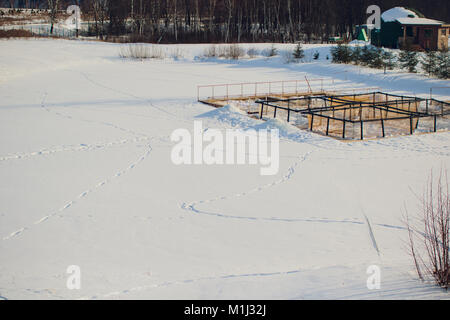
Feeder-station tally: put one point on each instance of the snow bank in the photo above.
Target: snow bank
(229, 114)
(398, 12)
(359, 43)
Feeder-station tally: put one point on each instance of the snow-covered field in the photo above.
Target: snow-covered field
(86, 179)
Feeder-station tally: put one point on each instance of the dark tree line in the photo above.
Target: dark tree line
(235, 20)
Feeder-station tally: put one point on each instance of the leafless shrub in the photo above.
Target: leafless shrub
(252, 52)
(232, 51)
(15, 33)
(141, 51)
(429, 232)
(235, 52)
(211, 52)
(271, 52)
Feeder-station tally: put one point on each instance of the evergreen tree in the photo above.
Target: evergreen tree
(356, 55)
(443, 65)
(388, 60)
(377, 58)
(368, 54)
(408, 60)
(341, 54)
(429, 62)
(298, 52)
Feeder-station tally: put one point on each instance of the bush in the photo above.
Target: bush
(388, 60)
(252, 52)
(235, 52)
(341, 54)
(211, 52)
(429, 63)
(141, 51)
(16, 33)
(298, 53)
(368, 55)
(408, 60)
(272, 52)
(443, 65)
(429, 233)
(377, 58)
(356, 55)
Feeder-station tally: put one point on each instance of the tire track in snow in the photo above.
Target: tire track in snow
(82, 195)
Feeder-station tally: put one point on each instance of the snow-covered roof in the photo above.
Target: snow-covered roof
(396, 13)
(421, 21)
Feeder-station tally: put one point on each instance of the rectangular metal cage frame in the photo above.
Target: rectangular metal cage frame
(346, 116)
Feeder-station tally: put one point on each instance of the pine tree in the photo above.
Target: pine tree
(341, 54)
(377, 59)
(273, 51)
(367, 55)
(408, 60)
(388, 60)
(443, 65)
(298, 52)
(356, 55)
(429, 62)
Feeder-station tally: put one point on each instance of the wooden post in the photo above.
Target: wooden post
(362, 130)
(411, 125)
(382, 128)
(275, 113)
(328, 125)
(262, 110)
(435, 123)
(289, 114)
(312, 122)
(343, 129)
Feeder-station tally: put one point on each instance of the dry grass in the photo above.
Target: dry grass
(141, 52)
(16, 33)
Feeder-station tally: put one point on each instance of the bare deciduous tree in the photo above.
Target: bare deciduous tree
(429, 232)
(52, 11)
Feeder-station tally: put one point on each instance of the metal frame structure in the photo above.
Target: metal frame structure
(348, 110)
